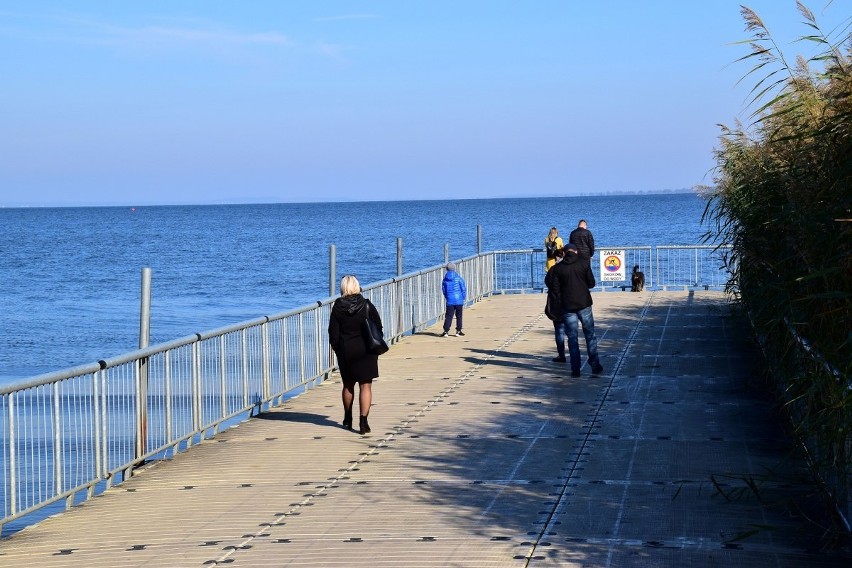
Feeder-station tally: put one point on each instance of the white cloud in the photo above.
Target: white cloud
(333, 50)
(75, 28)
(199, 36)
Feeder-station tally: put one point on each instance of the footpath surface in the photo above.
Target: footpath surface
(484, 452)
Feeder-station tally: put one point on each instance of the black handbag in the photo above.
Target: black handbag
(552, 308)
(373, 338)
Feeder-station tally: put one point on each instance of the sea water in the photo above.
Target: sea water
(70, 278)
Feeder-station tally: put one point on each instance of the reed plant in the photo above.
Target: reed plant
(783, 200)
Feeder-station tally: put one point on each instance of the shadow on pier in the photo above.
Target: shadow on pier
(484, 452)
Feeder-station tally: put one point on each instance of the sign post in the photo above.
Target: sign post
(612, 266)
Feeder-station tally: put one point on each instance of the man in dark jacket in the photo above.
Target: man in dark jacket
(583, 239)
(572, 279)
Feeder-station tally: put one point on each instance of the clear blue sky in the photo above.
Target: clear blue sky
(215, 101)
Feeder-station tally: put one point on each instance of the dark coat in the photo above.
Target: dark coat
(552, 306)
(571, 280)
(584, 240)
(344, 336)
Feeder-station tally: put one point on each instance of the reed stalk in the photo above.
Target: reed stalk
(783, 201)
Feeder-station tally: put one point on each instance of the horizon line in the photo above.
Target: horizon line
(261, 201)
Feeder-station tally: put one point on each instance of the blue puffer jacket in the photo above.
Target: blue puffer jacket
(454, 288)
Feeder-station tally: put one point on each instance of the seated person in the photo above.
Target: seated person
(637, 280)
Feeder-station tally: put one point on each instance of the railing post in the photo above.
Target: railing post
(317, 342)
(105, 459)
(332, 269)
(657, 265)
(446, 253)
(285, 354)
(301, 347)
(96, 409)
(57, 444)
(196, 389)
(244, 365)
(264, 354)
(13, 462)
(399, 256)
(479, 239)
(142, 379)
(696, 267)
(145, 309)
(167, 384)
(332, 291)
(532, 272)
(223, 380)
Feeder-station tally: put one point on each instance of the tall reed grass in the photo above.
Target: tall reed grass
(783, 200)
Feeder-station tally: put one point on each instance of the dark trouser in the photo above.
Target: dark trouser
(448, 319)
(559, 332)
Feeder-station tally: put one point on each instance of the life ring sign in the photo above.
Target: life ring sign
(612, 266)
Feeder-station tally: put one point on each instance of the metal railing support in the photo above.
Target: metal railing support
(97, 432)
(223, 376)
(398, 257)
(57, 441)
(332, 269)
(142, 382)
(264, 360)
(196, 388)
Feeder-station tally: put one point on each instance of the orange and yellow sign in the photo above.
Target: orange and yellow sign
(612, 266)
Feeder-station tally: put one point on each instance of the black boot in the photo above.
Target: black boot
(365, 428)
(347, 419)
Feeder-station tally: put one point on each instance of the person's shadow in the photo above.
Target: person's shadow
(302, 417)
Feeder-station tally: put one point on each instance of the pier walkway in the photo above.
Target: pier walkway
(483, 453)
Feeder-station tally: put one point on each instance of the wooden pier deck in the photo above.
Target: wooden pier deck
(483, 453)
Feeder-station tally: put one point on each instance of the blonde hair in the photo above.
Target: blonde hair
(349, 286)
(554, 232)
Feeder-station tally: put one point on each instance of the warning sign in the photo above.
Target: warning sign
(612, 266)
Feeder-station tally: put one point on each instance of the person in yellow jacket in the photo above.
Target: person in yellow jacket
(552, 243)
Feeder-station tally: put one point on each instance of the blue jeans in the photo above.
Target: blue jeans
(559, 332)
(585, 318)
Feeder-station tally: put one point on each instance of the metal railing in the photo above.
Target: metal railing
(665, 267)
(69, 435)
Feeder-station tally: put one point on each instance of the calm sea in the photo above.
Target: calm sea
(70, 277)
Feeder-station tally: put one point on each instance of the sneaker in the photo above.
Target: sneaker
(445, 334)
(459, 332)
(597, 370)
(575, 374)
(559, 359)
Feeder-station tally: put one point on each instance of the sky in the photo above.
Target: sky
(267, 101)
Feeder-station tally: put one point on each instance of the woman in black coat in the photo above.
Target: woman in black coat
(356, 364)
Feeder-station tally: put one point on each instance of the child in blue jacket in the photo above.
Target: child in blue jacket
(455, 293)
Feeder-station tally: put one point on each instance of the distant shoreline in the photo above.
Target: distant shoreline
(618, 193)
